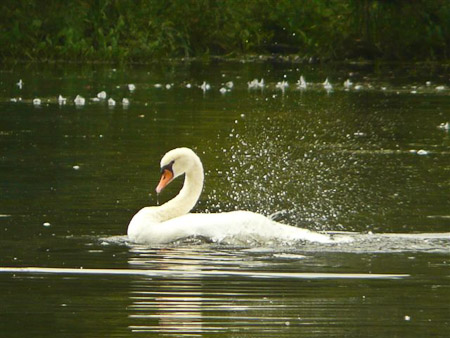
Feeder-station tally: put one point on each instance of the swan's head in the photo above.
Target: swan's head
(175, 163)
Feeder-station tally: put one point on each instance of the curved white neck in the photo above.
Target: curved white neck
(188, 195)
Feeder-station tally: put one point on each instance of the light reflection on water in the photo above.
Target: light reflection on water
(196, 288)
(257, 300)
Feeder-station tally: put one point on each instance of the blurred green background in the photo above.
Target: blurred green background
(145, 30)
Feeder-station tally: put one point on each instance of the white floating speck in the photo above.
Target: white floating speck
(79, 100)
(102, 95)
(188, 85)
(444, 126)
(61, 100)
(229, 84)
(358, 87)
(131, 87)
(37, 102)
(327, 85)
(111, 102)
(205, 86)
(282, 85)
(348, 83)
(428, 83)
(407, 318)
(20, 84)
(76, 167)
(168, 86)
(255, 84)
(222, 90)
(125, 102)
(46, 224)
(301, 83)
(13, 99)
(158, 85)
(440, 88)
(422, 152)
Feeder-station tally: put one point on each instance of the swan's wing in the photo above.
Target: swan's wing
(242, 225)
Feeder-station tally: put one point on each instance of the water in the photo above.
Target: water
(371, 162)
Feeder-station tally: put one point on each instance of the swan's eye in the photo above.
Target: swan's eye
(167, 167)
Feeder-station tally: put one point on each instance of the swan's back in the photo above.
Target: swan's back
(244, 226)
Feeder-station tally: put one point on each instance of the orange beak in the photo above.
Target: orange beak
(166, 178)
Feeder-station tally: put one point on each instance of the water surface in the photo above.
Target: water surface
(370, 161)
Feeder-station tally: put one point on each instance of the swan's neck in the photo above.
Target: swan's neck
(188, 195)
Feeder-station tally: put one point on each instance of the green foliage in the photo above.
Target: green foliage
(145, 30)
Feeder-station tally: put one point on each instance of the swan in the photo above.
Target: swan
(173, 221)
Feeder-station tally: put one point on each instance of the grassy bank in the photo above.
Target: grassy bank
(142, 31)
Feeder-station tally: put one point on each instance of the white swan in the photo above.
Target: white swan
(172, 220)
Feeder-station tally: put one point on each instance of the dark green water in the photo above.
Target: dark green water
(371, 161)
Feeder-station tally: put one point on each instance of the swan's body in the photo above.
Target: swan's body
(172, 220)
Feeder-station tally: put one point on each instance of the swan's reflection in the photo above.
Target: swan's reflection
(172, 307)
(184, 303)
